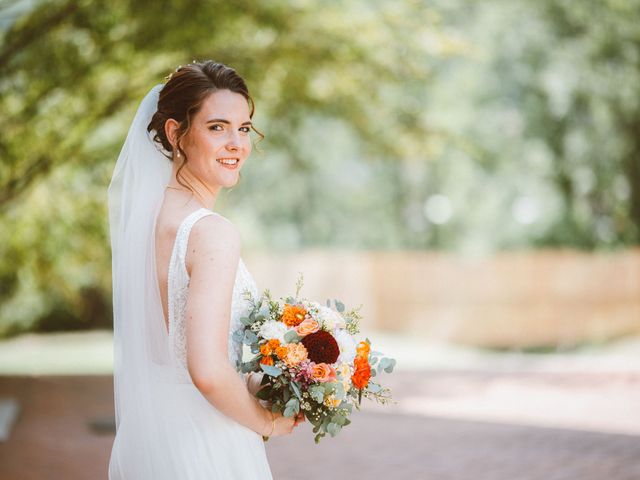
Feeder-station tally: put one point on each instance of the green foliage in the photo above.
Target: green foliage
(444, 124)
(271, 370)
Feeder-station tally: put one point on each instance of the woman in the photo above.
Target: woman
(182, 410)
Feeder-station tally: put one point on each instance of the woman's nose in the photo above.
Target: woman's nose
(233, 143)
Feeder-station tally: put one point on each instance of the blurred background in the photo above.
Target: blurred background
(468, 172)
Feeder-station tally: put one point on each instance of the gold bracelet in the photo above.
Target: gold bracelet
(273, 426)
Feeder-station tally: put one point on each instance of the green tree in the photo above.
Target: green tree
(71, 73)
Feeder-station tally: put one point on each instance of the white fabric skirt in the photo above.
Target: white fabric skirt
(185, 438)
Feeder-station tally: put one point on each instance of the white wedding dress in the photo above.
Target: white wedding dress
(188, 438)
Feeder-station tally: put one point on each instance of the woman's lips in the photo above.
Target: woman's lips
(230, 166)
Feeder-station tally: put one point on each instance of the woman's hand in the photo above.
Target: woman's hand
(281, 425)
(253, 382)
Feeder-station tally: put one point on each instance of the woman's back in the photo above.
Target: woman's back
(200, 442)
(173, 264)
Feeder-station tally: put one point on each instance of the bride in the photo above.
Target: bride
(182, 410)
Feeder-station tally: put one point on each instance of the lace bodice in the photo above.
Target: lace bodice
(178, 286)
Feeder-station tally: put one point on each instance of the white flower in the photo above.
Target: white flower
(330, 318)
(272, 329)
(312, 305)
(347, 345)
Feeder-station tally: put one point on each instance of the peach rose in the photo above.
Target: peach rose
(296, 353)
(307, 326)
(323, 372)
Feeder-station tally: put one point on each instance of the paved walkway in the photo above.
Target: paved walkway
(53, 437)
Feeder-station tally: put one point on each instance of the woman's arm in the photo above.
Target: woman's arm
(212, 259)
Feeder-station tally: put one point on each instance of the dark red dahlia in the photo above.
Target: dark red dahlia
(321, 347)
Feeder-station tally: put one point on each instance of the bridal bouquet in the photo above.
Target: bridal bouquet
(311, 360)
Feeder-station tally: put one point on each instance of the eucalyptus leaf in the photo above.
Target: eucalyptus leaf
(246, 321)
(338, 419)
(293, 402)
(295, 386)
(374, 387)
(389, 368)
(238, 335)
(317, 393)
(291, 337)
(249, 337)
(264, 310)
(333, 429)
(292, 407)
(271, 370)
(248, 367)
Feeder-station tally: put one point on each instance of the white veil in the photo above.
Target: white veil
(141, 350)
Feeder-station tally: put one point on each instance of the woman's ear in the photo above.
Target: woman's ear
(171, 131)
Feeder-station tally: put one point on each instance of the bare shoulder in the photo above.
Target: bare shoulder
(214, 237)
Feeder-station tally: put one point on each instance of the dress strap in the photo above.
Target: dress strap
(182, 236)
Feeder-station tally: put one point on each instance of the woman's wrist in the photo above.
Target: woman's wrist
(271, 425)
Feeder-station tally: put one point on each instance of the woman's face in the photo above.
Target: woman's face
(218, 142)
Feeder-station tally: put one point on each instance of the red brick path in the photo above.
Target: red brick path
(52, 440)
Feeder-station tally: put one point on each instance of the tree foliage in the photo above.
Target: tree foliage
(73, 71)
(410, 124)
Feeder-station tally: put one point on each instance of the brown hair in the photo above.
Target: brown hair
(182, 96)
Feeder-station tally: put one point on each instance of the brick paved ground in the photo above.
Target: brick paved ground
(52, 438)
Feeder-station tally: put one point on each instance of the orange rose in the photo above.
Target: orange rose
(266, 360)
(363, 350)
(323, 372)
(362, 372)
(293, 315)
(307, 326)
(282, 352)
(265, 349)
(273, 343)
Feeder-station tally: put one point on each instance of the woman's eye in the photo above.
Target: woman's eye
(245, 129)
(216, 127)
